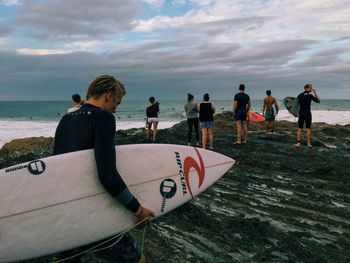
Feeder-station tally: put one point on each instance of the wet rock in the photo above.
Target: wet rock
(23, 150)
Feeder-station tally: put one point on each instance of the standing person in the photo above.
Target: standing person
(77, 102)
(269, 112)
(206, 117)
(192, 110)
(93, 126)
(152, 118)
(241, 107)
(305, 116)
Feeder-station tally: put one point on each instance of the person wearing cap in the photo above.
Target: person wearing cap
(97, 127)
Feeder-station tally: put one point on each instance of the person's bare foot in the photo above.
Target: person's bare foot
(297, 145)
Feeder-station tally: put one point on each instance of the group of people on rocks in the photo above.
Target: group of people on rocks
(202, 116)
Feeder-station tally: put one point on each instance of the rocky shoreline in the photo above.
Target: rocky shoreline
(277, 204)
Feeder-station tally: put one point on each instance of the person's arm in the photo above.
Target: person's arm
(276, 106)
(235, 104)
(105, 157)
(196, 107)
(264, 107)
(315, 98)
(249, 105)
(213, 108)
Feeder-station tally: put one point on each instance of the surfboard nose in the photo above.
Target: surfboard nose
(204, 169)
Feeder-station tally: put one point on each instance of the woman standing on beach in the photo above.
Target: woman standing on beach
(206, 117)
(152, 118)
(191, 109)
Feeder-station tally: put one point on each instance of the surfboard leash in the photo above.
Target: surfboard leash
(94, 248)
(143, 242)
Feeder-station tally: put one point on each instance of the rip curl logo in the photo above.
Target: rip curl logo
(191, 163)
(167, 190)
(36, 167)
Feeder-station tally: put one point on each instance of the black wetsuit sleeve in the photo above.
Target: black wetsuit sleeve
(314, 98)
(106, 161)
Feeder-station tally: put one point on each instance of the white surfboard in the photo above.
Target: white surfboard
(57, 203)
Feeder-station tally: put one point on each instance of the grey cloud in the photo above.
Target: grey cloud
(345, 38)
(218, 27)
(218, 50)
(269, 53)
(79, 18)
(5, 29)
(323, 58)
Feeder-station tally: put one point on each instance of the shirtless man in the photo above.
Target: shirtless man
(268, 111)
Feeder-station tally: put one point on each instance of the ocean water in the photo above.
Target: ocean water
(20, 119)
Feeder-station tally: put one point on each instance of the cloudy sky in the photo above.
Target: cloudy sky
(50, 49)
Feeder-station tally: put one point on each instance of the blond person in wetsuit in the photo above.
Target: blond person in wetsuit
(93, 126)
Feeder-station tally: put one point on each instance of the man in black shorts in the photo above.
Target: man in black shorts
(305, 116)
(241, 106)
(93, 126)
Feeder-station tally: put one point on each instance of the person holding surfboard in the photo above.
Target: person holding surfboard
(93, 126)
(241, 107)
(305, 116)
(269, 112)
(152, 118)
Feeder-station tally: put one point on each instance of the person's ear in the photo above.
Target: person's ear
(109, 96)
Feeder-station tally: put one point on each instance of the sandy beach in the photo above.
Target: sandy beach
(277, 204)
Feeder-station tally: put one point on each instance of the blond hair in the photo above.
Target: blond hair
(103, 84)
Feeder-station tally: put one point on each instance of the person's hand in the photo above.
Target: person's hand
(141, 214)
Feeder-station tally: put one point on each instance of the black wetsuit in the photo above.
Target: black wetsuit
(92, 128)
(304, 100)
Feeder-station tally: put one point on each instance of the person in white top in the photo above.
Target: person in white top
(77, 102)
